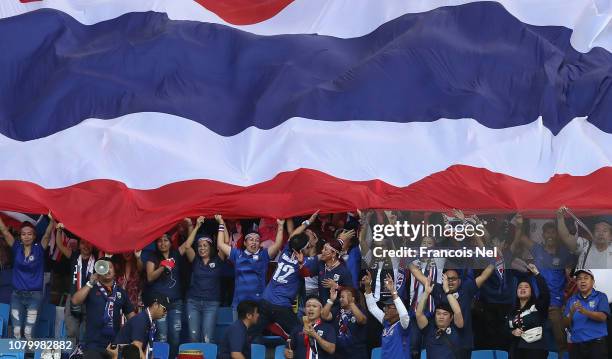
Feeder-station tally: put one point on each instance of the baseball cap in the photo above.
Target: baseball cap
(157, 298)
(584, 270)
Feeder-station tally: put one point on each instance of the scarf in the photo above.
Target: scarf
(152, 332)
(430, 270)
(312, 351)
(109, 309)
(78, 275)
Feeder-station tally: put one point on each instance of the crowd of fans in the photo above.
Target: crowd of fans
(316, 283)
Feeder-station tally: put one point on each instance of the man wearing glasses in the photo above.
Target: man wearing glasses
(464, 291)
(140, 330)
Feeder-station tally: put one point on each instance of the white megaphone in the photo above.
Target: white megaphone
(102, 267)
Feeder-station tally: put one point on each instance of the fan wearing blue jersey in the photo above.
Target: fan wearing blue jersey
(251, 264)
(395, 320)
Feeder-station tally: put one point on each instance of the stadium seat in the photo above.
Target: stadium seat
(279, 352)
(45, 328)
(209, 350)
(483, 354)
(376, 353)
(423, 354)
(500, 354)
(11, 356)
(62, 329)
(161, 350)
(1, 327)
(37, 355)
(258, 351)
(225, 315)
(4, 314)
(553, 355)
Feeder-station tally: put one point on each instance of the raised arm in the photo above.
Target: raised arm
(192, 233)
(302, 227)
(454, 304)
(278, 242)
(59, 242)
(223, 233)
(420, 315)
(223, 240)
(370, 301)
(418, 275)
(401, 308)
(518, 235)
(570, 241)
(486, 273)
(326, 311)
(44, 242)
(8, 237)
(543, 300)
(187, 246)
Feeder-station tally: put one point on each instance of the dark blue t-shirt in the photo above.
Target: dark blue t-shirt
(136, 329)
(465, 297)
(298, 345)
(340, 274)
(28, 273)
(206, 280)
(350, 336)
(552, 269)
(235, 339)
(285, 283)
(168, 284)
(96, 337)
(251, 270)
(438, 343)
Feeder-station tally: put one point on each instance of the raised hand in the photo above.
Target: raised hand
(218, 218)
(445, 283)
(389, 283)
(367, 280)
(200, 220)
(459, 214)
(518, 219)
(533, 269)
(314, 216)
(333, 294)
(280, 222)
(428, 288)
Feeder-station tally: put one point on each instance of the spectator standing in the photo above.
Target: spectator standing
(395, 320)
(586, 313)
(205, 290)
(28, 276)
(527, 319)
(106, 303)
(82, 264)
(164, 278)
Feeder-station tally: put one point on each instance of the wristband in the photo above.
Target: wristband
(329, 301)
(306, 223)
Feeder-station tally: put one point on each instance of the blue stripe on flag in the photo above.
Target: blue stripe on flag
(470, 61)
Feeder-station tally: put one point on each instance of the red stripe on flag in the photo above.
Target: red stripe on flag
(119, 219)
(245, 12)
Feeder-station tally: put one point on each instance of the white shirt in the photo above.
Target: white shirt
(597, 262)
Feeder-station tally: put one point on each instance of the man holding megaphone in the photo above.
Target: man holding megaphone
(106, 302)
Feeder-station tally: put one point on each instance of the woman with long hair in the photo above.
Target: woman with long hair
(526, 321)
(203, 296)
(164, 278)
(129, 271)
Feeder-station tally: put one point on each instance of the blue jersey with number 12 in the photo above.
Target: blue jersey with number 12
(285, 282)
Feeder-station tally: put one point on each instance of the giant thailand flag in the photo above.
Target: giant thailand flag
(124, 116)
